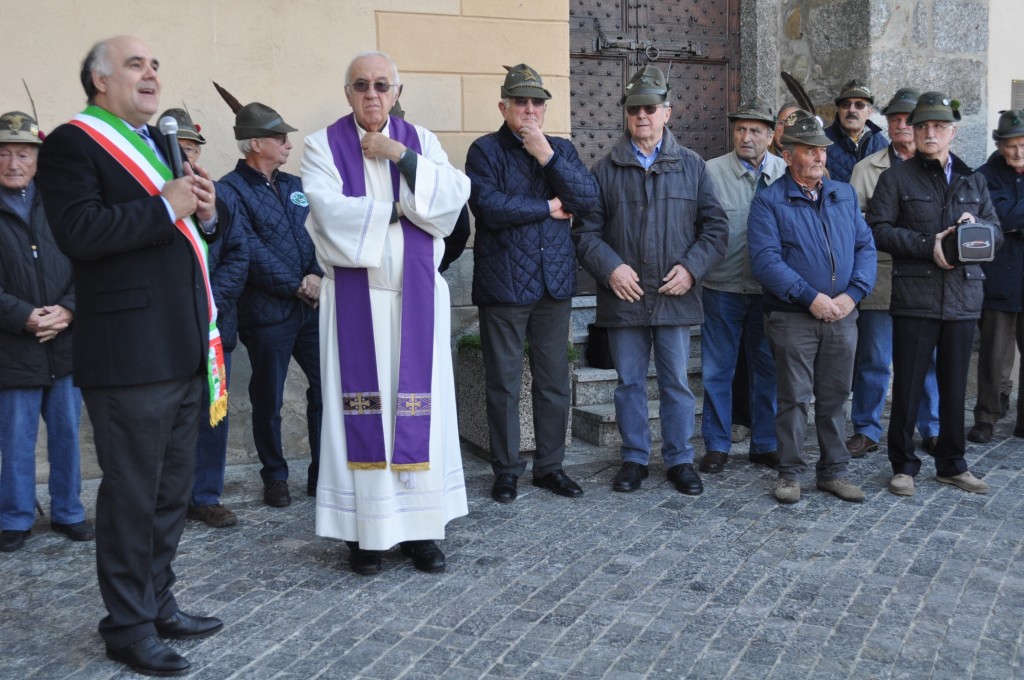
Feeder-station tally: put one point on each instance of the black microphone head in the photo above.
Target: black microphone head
(168, 126)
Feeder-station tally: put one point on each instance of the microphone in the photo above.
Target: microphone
(169, 129)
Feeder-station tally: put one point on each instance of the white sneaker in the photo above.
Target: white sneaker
(902, 485)
(966, 481)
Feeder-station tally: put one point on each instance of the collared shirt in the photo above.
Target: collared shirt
(949, 168)
(645, 160)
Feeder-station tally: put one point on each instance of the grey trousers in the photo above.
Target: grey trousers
(544, 325)
(812, 359)
(1001, 332)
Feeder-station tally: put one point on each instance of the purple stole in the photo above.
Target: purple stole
(361, 396)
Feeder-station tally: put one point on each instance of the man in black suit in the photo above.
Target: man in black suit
(143, 334)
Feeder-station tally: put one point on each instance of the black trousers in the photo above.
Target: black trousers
(503, 329)
(145, 442)
(913, 341)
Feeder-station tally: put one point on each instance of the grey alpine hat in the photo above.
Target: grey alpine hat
(803, 127)
(523, 81)
(17, 127)
(647, 86)
(754, 108)
(934, 106)
(186, 128)
(903, 101)
(1011, 124)
(855, 89)
(259, 120)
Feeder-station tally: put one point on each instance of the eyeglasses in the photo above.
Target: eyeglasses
(858, 104)
(930, 126)
(649, 109)
(521, 102)
(379, 86)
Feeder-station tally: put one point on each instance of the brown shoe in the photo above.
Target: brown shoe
(981, 433)
(216, 516)
(901, 485)
(859, 445)
(713, 461)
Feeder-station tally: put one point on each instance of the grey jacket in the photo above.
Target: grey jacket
(652, 220)
(863, 180)
(735, 186)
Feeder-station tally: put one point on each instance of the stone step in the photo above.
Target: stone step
(592, 386)
(596, 424)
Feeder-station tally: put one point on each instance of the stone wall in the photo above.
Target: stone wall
(931, 44)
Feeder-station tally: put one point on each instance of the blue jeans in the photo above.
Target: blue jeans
(211, 452)
(271, 349)
(61, 408)
(871, 379)
(727, 318)
(631, 352)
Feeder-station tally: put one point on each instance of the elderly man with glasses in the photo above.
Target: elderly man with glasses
(657, 231)
(383, 196)
(935, 304)
(853, 136)
(526, 188)
(277, 311)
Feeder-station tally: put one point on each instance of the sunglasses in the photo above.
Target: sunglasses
(649, 109)
(858, 104)
(521, 102)
(379, 86)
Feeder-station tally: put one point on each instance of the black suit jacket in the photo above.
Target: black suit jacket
(142, 310)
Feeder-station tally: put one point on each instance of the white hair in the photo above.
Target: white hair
(245, 146)
(371, 54)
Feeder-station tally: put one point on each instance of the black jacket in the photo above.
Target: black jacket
(913, 202)
(142, 315)
(33, 273)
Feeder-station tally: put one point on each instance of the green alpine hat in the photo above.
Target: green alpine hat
(854, 89)
(523, 81)
(186, 128)
(803, 127)
(1011, 124)
(647, 86)
(17, 127)
(754, 108)
(259, 120)
(934, 106)
(903, 101)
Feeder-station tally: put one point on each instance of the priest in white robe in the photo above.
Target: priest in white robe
(383, 196)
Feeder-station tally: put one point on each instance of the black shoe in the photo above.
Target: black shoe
(79, 531)
(928, 444)
(629, 477)
(364, 562)
(558, 483)
(1018, 430)
(685, 479)
(11, 539)
(981, 433)
(275, 494)
(713, 461)
(426, 556)
(182, 626)
(1004, 403)
(770, 459)
(150, 656)
(504, 489)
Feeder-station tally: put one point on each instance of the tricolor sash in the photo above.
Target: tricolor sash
(361, 395)
(142, 163)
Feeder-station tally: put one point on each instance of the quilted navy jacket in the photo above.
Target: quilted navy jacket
(280, 249)
(845, 153)
(520, 251)
(229, 269)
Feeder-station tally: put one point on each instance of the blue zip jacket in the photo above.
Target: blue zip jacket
(799, 249)
(1004, 276)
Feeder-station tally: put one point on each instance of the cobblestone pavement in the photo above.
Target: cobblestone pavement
(644, 585)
